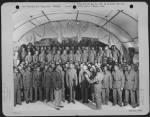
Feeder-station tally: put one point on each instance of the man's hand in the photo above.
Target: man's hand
(121, 88)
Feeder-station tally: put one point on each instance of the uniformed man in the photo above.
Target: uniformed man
(50, 57)
(28, 85)
(57, 56)
(57, 80)
(137, 87)
(18, 85)
(130, 86)
(77, 56)
(71, 81)
(118, 85)
(64, 57)
(83, 84)
(60, 70)
(29, 58)
(92, 55)
(107, 85)
(84, 56)
(42, 58)
(100, 55)
(23, 54)
(71, 56)
(37, 84)
(36, 57)
(97, 86)
(48, 82)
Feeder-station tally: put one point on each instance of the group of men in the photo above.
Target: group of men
(56, 75)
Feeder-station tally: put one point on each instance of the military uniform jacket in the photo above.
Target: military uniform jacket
(28, 79)
(37, 79)
(18, 84)
(35, 58)
(92, 56)
(118, 79)
(64, 57)
(50, 57)
(42, 58)
(107, 81)
(48, 79)
(29, 59)
(82, 80)
(71, 77)
(71, 57)
(77, 57)
(84, 57)
(57, 79)
(130, 80)
(56, 57)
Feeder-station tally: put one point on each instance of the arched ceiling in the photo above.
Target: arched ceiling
(123, 25)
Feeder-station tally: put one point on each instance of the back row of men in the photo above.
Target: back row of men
(36, 55)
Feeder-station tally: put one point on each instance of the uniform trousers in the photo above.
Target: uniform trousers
(98, 91)
(117, 94)
(132, 97)
(28, 94)
(17, 96)
(37, 93)
(49, 94)
(105, 95)
(58, 97)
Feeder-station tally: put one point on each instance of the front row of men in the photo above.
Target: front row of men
(55, 82)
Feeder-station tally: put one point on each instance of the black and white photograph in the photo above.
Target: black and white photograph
(76, 57)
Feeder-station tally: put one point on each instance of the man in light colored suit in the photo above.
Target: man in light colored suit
(130, 86)
(117, 85)
(71, 81)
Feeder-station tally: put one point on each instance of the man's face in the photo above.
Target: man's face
(29, 53)
(38, 69)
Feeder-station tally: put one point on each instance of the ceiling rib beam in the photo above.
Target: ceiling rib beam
(32, 23)
(129, 16)
(111, 18)
(45, 15)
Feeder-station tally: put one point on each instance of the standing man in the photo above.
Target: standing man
(42, 58)
(84, 56)
(49, 57)
(97, 81)
(28, 84)
(130, 86)
(107, 85)
(84, 83)
(37, 83)
(92, 55)
(77, 56)
(18, 85)
(48, 82)
(71, 56)
(29, 58)
(57, 80)
(36, 57)
(64, 57)
(57, 56)
(71, 81)
(118, 85)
